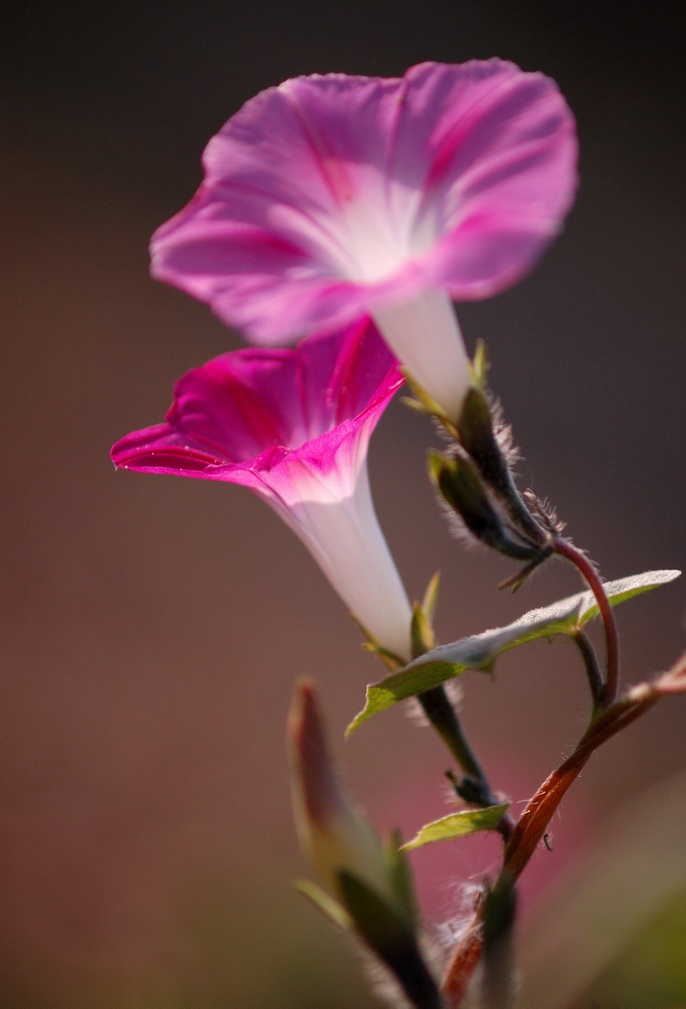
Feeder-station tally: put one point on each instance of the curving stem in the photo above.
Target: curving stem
(563, 548)
(534, 821)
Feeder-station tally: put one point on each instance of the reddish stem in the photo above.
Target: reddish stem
(538, 813)
(534, 821)
(540, 808)
(462, 964)
(581, 562)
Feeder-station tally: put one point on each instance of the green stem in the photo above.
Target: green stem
(443, 717)
(593, 673)
(497, 983)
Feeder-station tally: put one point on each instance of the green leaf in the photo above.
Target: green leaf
(448, 661)
(625, 588)
(468, 821)
(324, 903)
(480, 651)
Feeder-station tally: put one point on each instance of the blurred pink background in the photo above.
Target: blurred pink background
(153, 627)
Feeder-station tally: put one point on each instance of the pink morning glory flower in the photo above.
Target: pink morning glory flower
(330, 197)
(294, 426)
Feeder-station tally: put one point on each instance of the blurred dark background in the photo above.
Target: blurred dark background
(153, 627)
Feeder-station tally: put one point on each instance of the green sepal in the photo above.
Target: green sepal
(478, 439)
(400, 877)
(479, 366)
(422, 632)
(389, 659)
(517, 580)
(330, 908)
(476, 433)
(377, 921)
(467, 821)
(426, 404)
(475, 425)
(480, 652)
(430, 600)
(423, 638)
(389, 936)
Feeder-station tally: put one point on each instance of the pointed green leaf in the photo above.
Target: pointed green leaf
(625, 588)
(448, 661)
(480, 651)
(324, 903)
(468, 821)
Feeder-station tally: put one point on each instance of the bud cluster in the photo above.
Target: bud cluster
(475, 480)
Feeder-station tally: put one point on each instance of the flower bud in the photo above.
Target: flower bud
(334, 835)
(459, 483)
(372, 885)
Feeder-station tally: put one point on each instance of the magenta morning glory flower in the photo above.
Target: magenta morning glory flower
(294, 425)
(330, 197)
